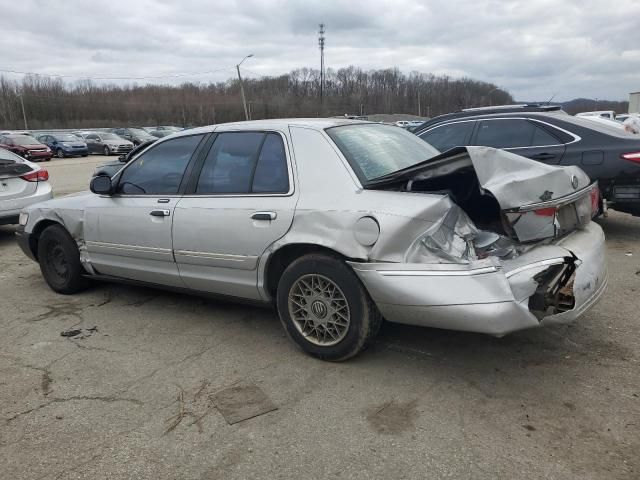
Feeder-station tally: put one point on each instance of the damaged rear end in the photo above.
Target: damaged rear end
(515, 249)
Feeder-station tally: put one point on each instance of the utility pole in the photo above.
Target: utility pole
(244, 99)
(24, 115)
(321, 45)
(419, 109)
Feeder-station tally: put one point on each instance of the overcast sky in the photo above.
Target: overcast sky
(533, 48)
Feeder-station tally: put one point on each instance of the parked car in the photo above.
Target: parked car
(160, 133)
(81, 134)
(604, 121)
(22, 183)
(610, 114)
(111, 168)
(107, 143)
(26, 146)
(134, 135)
(357, 227)
(547, 134)
(65, 144)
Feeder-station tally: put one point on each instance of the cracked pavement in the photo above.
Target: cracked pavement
(134, 399)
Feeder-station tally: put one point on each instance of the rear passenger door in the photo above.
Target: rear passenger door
(522, 136)
(241, 199)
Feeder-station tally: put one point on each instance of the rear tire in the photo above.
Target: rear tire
(59, 153)
(325, 309)
(59, 260)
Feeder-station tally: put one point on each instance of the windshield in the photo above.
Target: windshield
(67, 138)
(375, 150)
(24, 140)
(110, 136)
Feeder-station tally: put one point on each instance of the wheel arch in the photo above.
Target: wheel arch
(279, 259)
(37, 230)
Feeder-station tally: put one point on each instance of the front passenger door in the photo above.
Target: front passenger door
(128, 233)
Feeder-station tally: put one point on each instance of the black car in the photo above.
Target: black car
(111, 168)
(547, 134)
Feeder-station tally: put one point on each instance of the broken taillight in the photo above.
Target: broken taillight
(631, 156)
(546, 212)
(595, 200)
(38, 176)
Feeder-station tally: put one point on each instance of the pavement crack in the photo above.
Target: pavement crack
(106, 399)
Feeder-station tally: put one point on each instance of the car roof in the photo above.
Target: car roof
(275, 124)
(494, 111)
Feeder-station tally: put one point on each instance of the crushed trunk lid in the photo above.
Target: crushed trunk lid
(537, 201)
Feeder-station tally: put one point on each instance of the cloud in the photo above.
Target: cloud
(533, 48)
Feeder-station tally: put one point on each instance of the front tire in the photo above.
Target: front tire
(59, 260)
(59, 153)
(325, 309)
(106, 151)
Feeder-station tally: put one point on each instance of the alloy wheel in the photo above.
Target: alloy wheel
(319, 310)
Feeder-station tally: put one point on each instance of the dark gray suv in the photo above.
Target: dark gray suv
(549, 135)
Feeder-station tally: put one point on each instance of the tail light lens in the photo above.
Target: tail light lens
(631, 156)
(546, 212)
(38, 176)
(595, 200)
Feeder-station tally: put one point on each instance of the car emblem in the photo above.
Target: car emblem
(574, 182)
(319, 309)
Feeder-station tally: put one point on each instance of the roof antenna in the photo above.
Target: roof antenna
(552, 97)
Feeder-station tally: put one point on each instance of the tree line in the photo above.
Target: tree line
(50, 102)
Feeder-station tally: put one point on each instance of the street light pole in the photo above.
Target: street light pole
(244, 99)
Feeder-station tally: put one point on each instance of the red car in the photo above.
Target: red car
(26, 146)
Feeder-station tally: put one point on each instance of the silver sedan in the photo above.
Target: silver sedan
(338, 224)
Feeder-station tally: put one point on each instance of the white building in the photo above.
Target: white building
(634, 102)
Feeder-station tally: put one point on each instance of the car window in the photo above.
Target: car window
(92, 137)
(159, 170)
(541, 137)
(271, 174)
(512, 133)
(230, 163)
(375, 150)
(451, 135)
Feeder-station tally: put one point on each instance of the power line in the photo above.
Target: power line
(177, 75)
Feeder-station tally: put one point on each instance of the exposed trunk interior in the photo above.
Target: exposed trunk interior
(463, 188)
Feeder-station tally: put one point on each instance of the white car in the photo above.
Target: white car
(22, 183)
(610, 114)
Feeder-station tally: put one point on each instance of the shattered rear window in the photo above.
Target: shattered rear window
(375, 150)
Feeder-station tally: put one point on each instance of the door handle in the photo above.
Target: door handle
(264, 216)
(543, 156)
(160, 213)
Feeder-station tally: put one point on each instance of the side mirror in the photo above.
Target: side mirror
(101, 185)
(122, 158)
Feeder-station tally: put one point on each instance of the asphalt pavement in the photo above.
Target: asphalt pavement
(125, 382)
